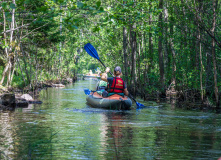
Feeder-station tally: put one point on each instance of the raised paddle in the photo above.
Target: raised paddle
(93, 53)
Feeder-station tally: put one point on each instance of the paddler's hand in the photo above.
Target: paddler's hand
(107, 69)
(104, 75)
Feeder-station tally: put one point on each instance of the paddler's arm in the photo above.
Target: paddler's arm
(126, 92)
(104, 75)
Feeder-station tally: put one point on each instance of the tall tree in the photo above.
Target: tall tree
(133, 35)
(125, 53)
(160, 48)
(214, 52)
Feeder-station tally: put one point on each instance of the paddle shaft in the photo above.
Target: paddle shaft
(105, 66)
(132, 98)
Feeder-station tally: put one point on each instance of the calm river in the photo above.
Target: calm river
(64, 127)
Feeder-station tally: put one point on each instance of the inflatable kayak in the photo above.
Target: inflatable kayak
(114, 101)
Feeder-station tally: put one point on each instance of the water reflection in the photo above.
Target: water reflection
(6, 134)
(115, 135)
(64, 127)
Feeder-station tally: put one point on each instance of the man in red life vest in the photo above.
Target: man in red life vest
(115, 84)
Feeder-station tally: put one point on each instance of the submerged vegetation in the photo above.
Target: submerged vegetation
(163, 47)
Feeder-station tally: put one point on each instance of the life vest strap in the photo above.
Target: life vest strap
(117, 88)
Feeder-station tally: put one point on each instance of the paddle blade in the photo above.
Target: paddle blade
(91, 50)
(139, 105)
(87, 91)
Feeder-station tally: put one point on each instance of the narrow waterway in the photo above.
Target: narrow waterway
(64, 127)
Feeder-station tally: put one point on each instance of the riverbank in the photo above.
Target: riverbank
(189, 98)
(12, 97)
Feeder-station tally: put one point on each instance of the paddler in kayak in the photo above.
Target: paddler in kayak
(115, 84)
(101, 85)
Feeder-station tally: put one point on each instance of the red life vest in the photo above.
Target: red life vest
(117, 86)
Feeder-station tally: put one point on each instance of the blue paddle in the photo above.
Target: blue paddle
(87, 91)
(93, 53)
(139, 105)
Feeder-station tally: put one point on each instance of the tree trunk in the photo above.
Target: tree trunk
(5, 36)
(9, 73)
(139, 61)
(6, 49)
(25, 64)
(36, 66)
(12, 75)
(214, 55)
(12, 23)
(173, 80)
(201, 68)
(208, 72)
(10, 57)
(146, 80)
(4, 73)
(150, 40)
(166, 54)
(30, 65)
(199, 52)
(160, 49)
(141, 71)
(134, 52)
(125, 54)
(21, 71)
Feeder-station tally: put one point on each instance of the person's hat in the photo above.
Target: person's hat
(117, 69)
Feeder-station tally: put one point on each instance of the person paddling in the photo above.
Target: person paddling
(115, 84)
(102, 85)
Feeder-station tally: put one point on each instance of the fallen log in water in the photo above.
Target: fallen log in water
(58, 85)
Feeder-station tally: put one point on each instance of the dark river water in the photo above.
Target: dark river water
(64, 127)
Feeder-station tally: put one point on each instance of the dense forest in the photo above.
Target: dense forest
(164, 47)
